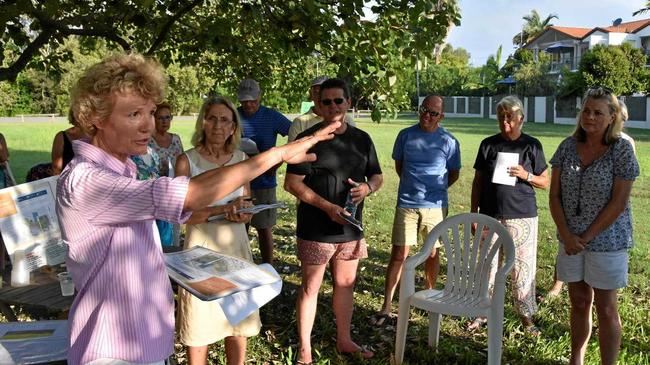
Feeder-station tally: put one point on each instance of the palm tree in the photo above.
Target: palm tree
(533, 27)
(642, 10)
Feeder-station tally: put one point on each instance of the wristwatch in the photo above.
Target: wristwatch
(529, 178)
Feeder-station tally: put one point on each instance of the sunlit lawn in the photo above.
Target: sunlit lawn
(30, 143)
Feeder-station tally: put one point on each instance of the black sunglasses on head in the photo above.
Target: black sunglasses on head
(433, 113)
(337, 101)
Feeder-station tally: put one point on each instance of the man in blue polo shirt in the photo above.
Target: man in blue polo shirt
(427, 161)
(262, 125)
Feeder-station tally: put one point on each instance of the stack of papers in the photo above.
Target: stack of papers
(239, 286)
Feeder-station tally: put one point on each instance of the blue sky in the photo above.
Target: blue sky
(486, 24)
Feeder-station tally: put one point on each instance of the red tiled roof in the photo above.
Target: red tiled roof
(581, 33)
(571, 31)
(629, 27)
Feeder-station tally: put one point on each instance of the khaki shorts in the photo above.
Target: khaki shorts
(413, 223)
(319, 253)
(600, 270)
(265, 218)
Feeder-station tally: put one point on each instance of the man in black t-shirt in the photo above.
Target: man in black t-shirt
(345, 165)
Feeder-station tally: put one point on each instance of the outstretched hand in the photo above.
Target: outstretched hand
(296, 151)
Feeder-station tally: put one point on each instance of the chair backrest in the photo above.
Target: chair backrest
(469, 255)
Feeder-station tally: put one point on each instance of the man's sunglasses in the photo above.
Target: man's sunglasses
(337, 101)
(432, 113)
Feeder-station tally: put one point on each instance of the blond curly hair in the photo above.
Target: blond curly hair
(92, 96)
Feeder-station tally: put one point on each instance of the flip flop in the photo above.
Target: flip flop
(300, 362)
(361, 353)
(380, 319)
(476, 324)
(532, 330)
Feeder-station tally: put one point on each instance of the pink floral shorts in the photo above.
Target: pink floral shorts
(319, 253)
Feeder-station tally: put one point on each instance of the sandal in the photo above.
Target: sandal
(532, 330)
(477, 324)
(300, 362)
(380, 319)
(361, 353)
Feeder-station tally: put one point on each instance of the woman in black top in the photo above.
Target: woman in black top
(62, 152)
(514, 206)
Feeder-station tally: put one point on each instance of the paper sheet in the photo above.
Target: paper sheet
(240, 305)
(501, 175)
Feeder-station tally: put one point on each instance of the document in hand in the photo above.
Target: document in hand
(252, 209)
(501, 175)
(239, 286)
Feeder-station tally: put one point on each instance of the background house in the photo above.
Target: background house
(566, 45)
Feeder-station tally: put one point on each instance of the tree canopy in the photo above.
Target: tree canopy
(248, 38)
(619, 68)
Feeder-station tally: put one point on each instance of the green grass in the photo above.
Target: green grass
(276, 343)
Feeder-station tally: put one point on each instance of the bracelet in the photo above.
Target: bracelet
(369, 187)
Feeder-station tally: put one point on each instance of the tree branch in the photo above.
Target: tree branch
(65, 30)
(98, 33)
(11, 72)
(168, 26)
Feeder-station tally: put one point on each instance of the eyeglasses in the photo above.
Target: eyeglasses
(166, 118)
(432, 113)
(219, 122)
(337, 101)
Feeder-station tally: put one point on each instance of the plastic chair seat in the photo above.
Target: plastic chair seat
(451, 304)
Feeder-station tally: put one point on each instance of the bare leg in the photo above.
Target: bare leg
(312, 277)
(197, 355)
(235, 350)
(265, 237)
(581, 296)
(609, 325)
(344, 274)
(393, 272)
(557, 285)
(432, 268)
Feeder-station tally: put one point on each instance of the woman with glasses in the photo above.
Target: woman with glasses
(166, 145)
(215, 140)
(513, 203)
(592, 175)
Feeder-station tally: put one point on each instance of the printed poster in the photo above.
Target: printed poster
(29, 224)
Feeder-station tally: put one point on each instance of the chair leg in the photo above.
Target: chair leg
(402, 327)
(495, 335)
(434, 328)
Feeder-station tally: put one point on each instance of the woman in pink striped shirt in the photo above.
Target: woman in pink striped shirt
(123, 311)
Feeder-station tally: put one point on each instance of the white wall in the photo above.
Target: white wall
(540, 109)
(540, 112)
(597, 38)
(616, 39)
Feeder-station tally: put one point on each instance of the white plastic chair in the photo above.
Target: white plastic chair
(466, 291)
